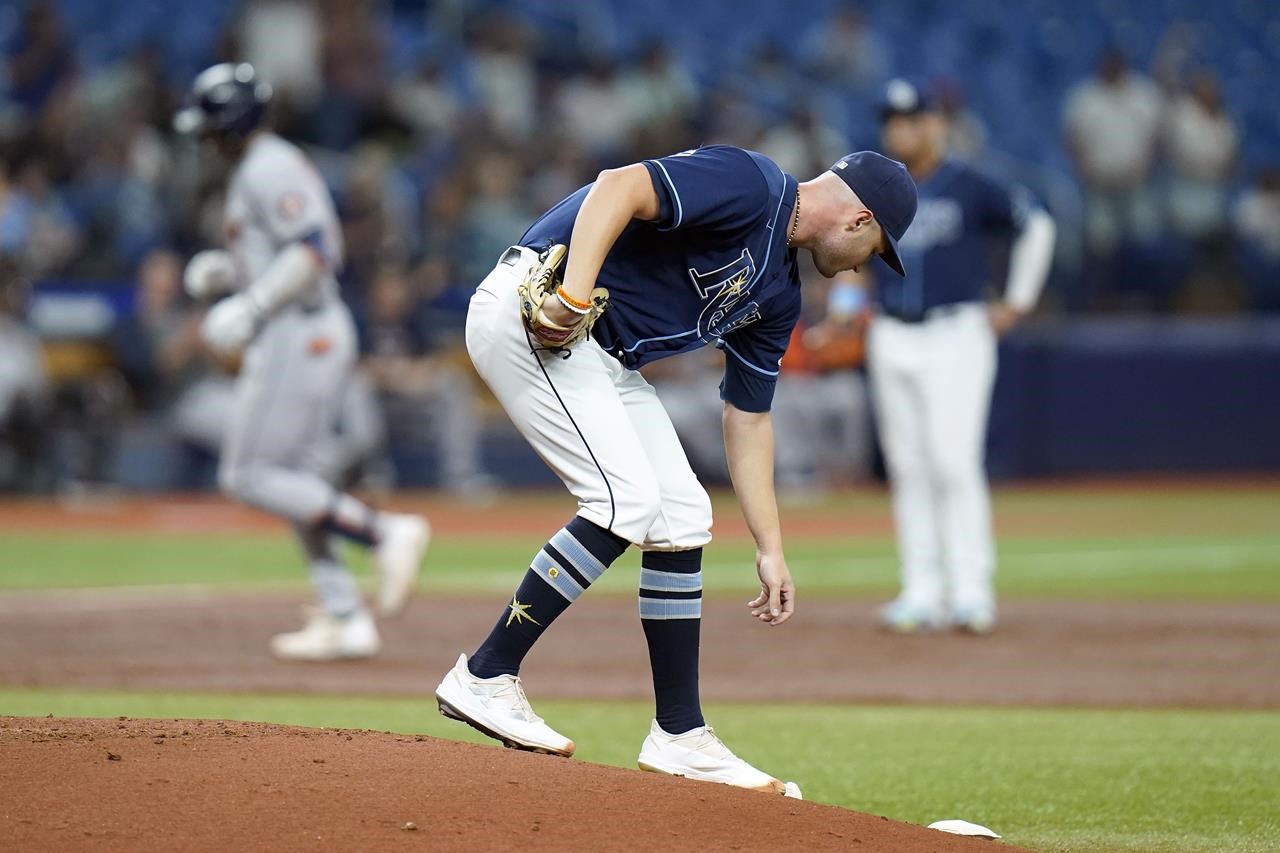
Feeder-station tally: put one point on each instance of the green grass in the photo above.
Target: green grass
(1204, 543)
(1052, 780)
(1168, 567)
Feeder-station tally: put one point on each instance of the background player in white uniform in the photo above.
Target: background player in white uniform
(694, 249)
(299, 348)
(932, 358)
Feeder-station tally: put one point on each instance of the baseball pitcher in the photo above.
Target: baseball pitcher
(653, 260)
(296, 340)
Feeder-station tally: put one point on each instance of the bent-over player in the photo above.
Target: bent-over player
(664, 257)
(932, 358)
(283, 247)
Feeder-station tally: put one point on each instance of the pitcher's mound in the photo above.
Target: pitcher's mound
(163, 785)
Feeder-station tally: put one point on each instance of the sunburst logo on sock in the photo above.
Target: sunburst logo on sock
(553, 572)
(520, 612)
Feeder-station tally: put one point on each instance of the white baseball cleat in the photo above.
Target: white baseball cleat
(979, 619)
(328, 637)
(906, 617)
(498, 708)
(700, 754)
(398, 559)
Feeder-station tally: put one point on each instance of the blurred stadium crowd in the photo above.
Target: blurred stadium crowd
(1150, 129)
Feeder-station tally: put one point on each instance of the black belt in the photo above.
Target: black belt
(935, 313)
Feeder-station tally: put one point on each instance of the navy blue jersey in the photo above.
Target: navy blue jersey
(948, 248)
(713, 268)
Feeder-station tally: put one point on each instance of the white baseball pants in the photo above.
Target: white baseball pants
(598, 425)
(931, 384)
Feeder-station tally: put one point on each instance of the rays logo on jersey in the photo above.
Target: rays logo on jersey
(724, 288)
(938, 222)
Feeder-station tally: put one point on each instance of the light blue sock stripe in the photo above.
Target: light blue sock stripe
(670, 581)
(670, 608)
(583, 560)
(555, 576)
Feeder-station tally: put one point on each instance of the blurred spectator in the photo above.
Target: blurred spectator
(36, 225)
(593, 105)
(158, 347)
(501, 74)
(770, 79)
(658, 91)
(567, 168)
(427, 397)
(1202, 143)
(353, 51)
(496, 214)
(16, 214)
(24, 388)
(804, 144)
(426, 101)
(1256, 221)
(124, 215)
(732, 117)
(822, 412)
(41, 59)
(842, 49)
(1112, 128)
(379, 212)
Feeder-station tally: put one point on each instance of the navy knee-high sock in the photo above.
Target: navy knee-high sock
(568, 564)
(671, 613)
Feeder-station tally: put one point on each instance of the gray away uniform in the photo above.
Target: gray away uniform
(279, 450)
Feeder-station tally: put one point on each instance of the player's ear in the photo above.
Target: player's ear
(860, 220)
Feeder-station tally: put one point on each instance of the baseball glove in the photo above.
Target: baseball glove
(540, 284)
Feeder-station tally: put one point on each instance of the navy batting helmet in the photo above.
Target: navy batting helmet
(226, 99)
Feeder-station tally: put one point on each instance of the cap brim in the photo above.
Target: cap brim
(891, 257)
(887, 112)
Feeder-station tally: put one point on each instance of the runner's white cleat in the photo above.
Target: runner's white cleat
(700, 754)
(498, 708)
(327, 637)
(398, 559)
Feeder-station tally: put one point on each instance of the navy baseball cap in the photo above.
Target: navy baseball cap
(906, 98)
(888, 192)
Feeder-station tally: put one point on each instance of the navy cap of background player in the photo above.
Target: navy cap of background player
(888, 192)
(228, 98)
(906, 98)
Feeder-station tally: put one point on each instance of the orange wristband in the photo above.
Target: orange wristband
(570, 301)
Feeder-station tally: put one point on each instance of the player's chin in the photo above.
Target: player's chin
(828, 266)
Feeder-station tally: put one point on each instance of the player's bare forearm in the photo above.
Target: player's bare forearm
(618, 196)
(748, 444)
(748, 440)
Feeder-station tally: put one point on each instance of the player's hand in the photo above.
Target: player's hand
(777, 599)
(554, 311)
(209, 273)
(1003, 317)
(230, 325)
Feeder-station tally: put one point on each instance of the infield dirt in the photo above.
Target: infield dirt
(1083, 654)
(171, 785)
